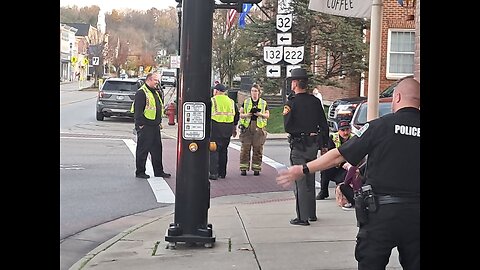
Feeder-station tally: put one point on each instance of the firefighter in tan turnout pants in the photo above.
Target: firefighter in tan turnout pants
(253, 120)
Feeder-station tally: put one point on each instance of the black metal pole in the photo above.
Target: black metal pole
(179, 13)
(192, 191)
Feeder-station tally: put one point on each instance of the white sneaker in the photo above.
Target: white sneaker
(348, 207)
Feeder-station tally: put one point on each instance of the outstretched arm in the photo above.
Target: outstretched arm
(329, 160)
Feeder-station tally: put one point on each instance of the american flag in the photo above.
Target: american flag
(232, 13)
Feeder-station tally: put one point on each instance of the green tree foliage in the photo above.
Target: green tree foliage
(338, 39)
(74, 14)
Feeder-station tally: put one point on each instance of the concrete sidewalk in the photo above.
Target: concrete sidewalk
(252, 231)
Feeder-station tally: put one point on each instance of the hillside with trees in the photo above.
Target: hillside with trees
(335, 44)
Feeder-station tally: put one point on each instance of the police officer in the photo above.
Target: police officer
(392, 216)
(337, 173)
(305, 122)
(148, 111)
(225, 117)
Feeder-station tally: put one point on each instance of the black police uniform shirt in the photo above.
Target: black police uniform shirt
(304, 114)
(392, 143)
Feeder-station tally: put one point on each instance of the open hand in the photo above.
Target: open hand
(287, 177)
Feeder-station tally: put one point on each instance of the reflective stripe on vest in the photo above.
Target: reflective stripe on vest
(247, 106)
(223, 109)
(150, 110)
(336, 139)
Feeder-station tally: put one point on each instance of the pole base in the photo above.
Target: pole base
(174, 235)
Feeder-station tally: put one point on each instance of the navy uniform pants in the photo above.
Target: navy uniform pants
(149, 140)
(393, 225)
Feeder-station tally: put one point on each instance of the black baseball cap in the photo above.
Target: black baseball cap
(343, 124)
(220, 87)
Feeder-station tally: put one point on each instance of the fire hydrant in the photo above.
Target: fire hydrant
(171, 114)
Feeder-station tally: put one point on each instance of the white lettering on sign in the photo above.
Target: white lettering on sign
(293, 55)
(273, 55)
(407, 130)
(194, 120)
(346, 8)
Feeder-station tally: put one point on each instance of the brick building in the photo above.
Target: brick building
(400, 51)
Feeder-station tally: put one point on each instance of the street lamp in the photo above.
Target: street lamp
(179, 13)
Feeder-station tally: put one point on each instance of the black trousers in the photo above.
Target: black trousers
(219, 158)
(393, 225)
(333, 174)
(149, 140)
(348, 192)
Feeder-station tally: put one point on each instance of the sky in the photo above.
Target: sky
(108, 5)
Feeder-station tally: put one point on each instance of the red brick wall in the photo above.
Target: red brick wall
(395, 16)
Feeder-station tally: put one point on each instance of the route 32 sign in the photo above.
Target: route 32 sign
(284, 22)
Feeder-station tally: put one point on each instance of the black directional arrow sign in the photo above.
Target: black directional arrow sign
(284, 38)
(274, 71)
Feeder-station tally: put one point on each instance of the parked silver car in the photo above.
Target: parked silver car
(116, 96)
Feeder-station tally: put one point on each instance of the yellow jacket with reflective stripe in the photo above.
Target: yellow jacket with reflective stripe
(150, 110)
(247, 106)
(223, 109)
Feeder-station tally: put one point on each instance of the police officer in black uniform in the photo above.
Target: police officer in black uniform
(389, 213)
(305, 121)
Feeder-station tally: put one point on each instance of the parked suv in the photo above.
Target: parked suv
(116, 96)
(342, 109)
(359, 118)
(168, 77)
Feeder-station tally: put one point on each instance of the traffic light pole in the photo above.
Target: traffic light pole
(192, 191)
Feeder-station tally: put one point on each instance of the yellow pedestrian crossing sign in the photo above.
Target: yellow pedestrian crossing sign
(85, 61)
(73, 59)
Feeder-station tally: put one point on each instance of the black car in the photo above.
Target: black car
(116, 96)
(342, 109)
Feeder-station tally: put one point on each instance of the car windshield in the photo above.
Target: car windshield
(383, 108)
(120, 86)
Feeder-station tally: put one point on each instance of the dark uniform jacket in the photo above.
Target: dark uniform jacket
(304, 114)
(392, 143)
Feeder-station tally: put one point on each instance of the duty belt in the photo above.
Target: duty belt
(299, 135)
(388, 199)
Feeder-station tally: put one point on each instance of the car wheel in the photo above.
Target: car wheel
(100, 116)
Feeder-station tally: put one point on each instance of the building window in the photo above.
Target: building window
(400, 53)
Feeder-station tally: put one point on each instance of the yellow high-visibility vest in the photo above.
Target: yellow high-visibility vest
(247, 105)
(223, 109)
(150, 110)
